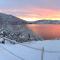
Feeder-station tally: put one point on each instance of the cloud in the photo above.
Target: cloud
(33, 13)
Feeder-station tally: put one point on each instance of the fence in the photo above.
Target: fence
(42, 51)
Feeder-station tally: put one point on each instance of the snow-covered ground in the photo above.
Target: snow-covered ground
(31, 50)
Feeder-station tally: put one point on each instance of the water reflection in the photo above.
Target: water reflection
(47, 31)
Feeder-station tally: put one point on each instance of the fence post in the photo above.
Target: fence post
(42, 53)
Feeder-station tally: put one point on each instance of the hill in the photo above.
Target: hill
(45, 22)
(9, 19)
(15, 29)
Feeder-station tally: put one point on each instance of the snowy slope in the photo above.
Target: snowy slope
(23, 52)
(31, 50)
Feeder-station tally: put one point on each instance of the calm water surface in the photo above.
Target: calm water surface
(47, 31)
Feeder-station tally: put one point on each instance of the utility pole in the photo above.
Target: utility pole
(42, 54)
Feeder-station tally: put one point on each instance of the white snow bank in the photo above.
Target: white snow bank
(31, 50)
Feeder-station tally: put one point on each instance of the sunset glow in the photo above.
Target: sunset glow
(35, 19)
(32, 10)
(38, 14)
(33, 14)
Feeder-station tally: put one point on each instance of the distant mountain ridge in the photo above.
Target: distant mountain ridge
(14, 28)
(10, 19)
(45, 22)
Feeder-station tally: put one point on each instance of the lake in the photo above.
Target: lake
(47, 31)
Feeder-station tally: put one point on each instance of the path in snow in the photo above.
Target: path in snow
(31, 50)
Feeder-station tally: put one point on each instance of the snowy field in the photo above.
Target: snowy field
(31, 50)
